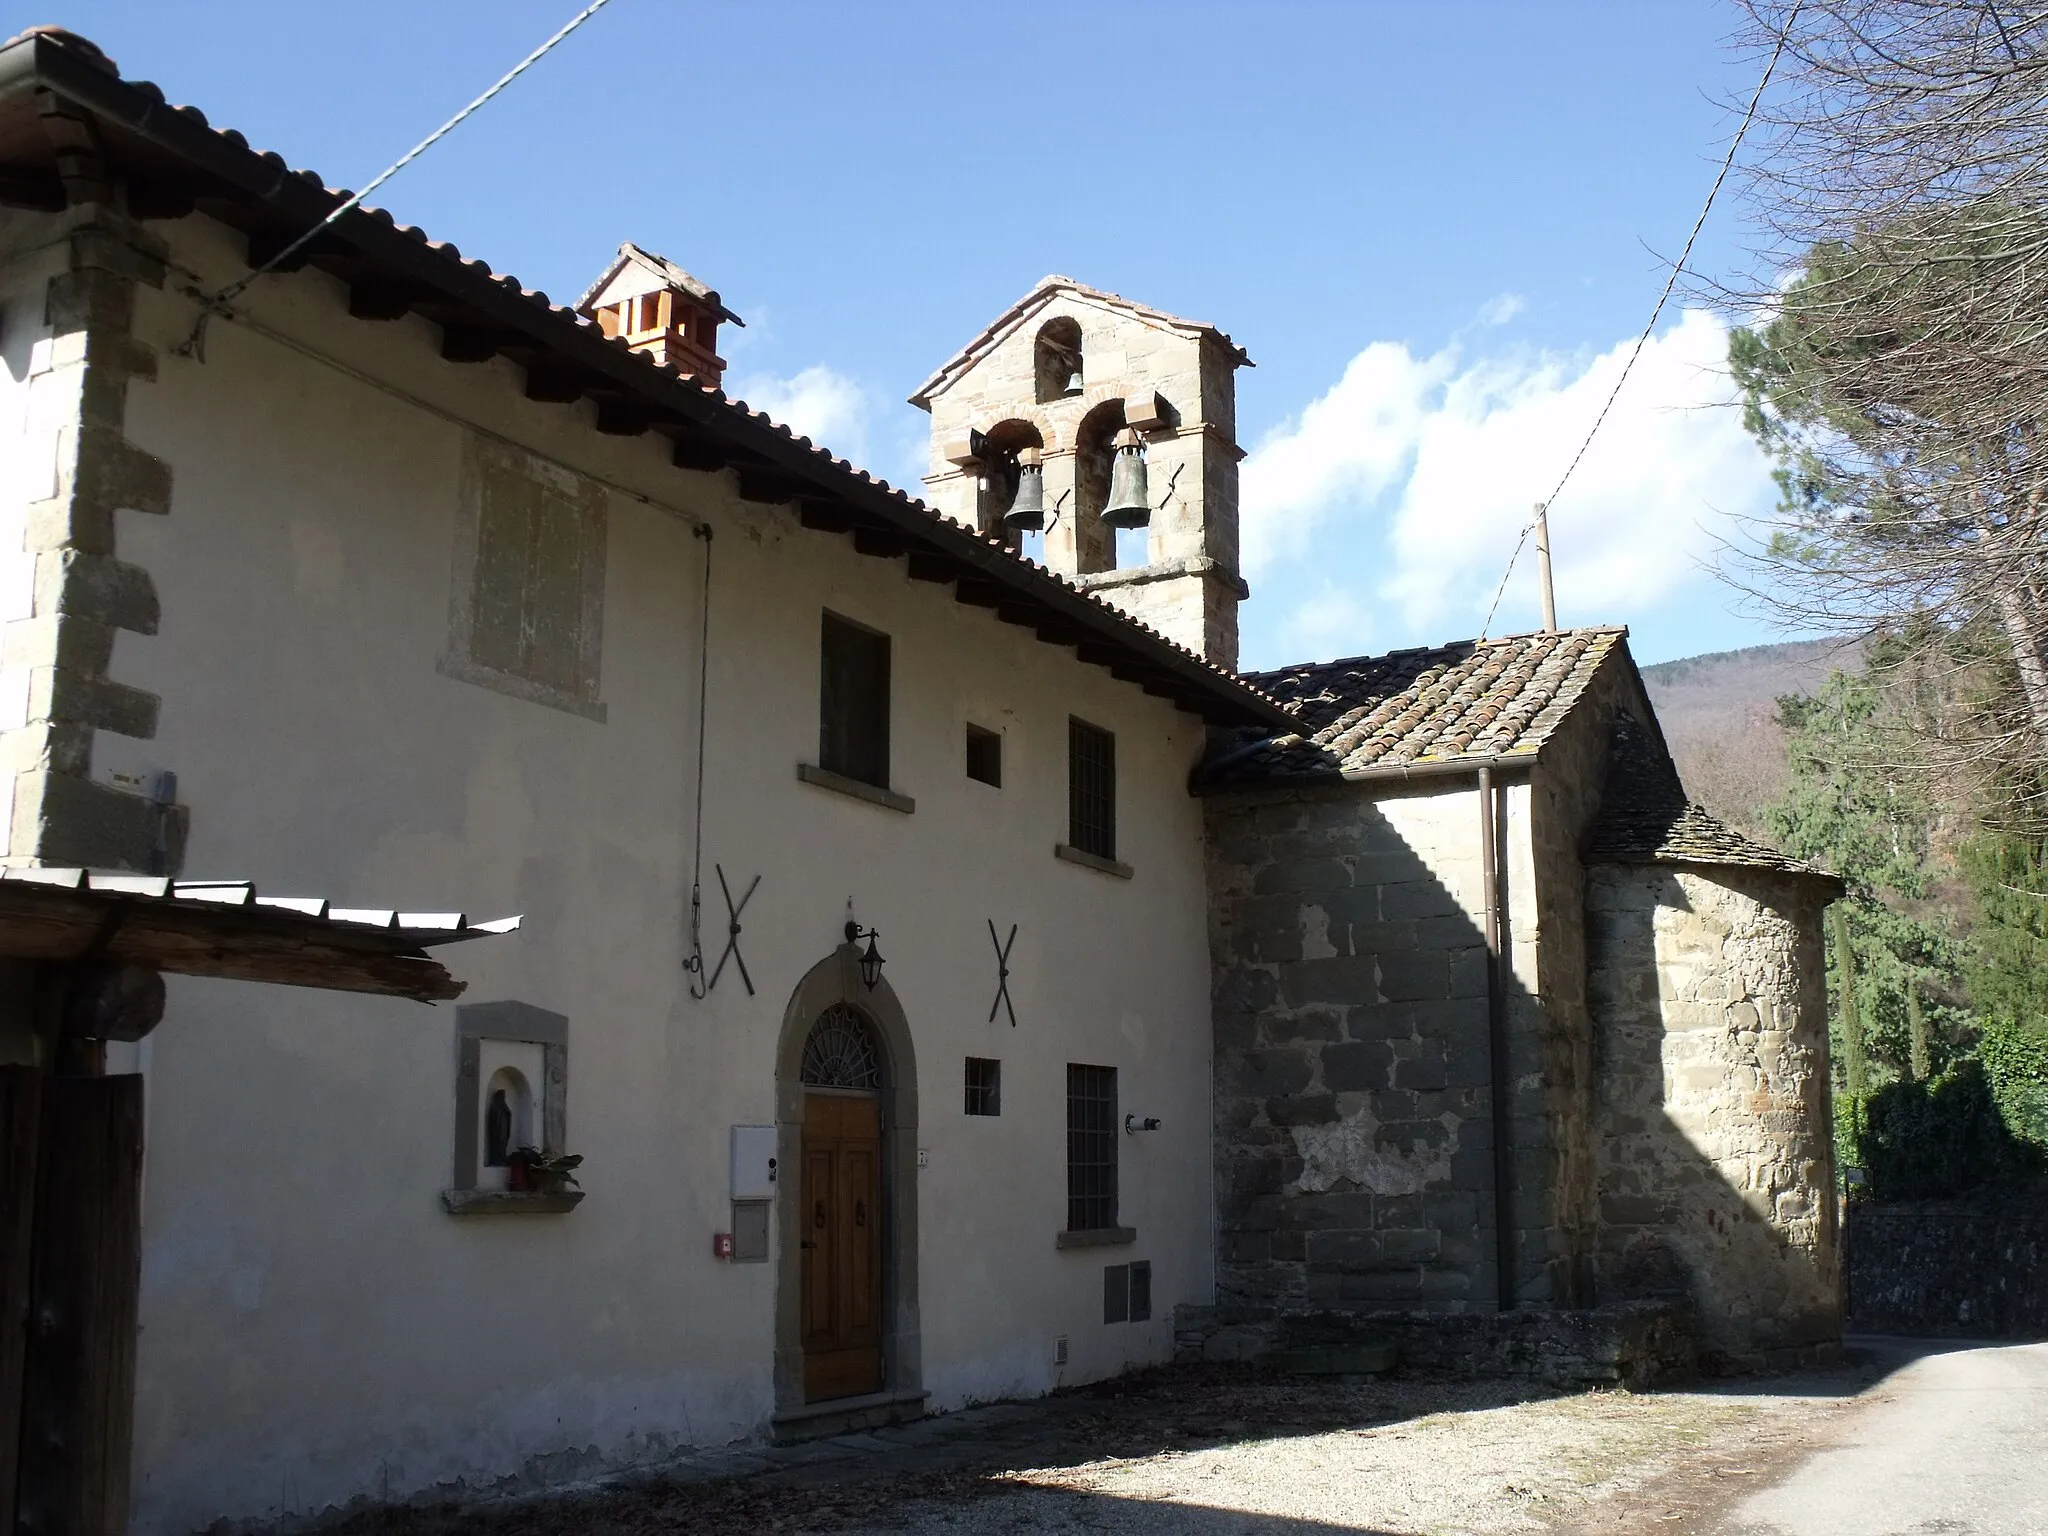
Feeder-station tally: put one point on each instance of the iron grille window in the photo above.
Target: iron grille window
(1091, 1148)
(984, 756)
(1091, 789)
(853, 702)
(984, 1086)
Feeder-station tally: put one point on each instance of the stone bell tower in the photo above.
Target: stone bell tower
(1063, 378)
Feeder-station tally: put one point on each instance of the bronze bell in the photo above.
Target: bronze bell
(1074, 384)
(1130, 497)
(1027, 507)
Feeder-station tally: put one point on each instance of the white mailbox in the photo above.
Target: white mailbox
(753, 1162)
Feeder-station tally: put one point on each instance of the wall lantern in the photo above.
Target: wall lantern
(871, 961)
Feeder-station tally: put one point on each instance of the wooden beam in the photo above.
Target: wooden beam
(881, 543)
(553, 385)
(698, 454)
(618, 418)
(766, 485)
(266, 246)
(78, 1375)
(978, 594)
(926, 566)
(1024, 615)
(1059, 634)
(472, 343)
(825, 516)
(369, 299)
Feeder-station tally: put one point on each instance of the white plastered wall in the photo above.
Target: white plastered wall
(315, 1328)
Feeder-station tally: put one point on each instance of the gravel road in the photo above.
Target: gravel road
(1954, 1443)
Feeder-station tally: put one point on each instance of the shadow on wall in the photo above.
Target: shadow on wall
(1354, 1119)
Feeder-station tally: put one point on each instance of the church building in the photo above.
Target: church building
(944, 975)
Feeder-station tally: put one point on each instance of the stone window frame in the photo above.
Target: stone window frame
(592, 502)
(513, 1023)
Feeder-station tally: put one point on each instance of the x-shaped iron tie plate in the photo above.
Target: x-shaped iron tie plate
(732, 931)
(1002, 973)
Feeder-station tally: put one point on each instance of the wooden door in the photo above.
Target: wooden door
(842, 1245)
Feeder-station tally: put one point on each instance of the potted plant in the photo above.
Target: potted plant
(531, 1170)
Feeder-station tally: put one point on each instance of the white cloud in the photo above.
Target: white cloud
(1418, 473)
(1501, 308)
(819, 403)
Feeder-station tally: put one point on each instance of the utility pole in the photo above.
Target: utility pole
(1543, 568)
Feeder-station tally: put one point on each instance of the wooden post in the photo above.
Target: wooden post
(78, 1398)
(20, 1135)
(1543, 568)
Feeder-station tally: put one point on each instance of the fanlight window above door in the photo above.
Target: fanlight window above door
(841, 1051)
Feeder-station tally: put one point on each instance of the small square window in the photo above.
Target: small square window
(984, 756)
(984, 1086)
(1141, 1291)
(1116, 1293)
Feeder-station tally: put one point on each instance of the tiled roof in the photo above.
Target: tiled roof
(1041, 293)
(1645, 817)
(175, 146)
(1470, 700)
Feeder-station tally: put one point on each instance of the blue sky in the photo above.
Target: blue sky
(1436, 227)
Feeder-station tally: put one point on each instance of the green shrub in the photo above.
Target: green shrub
(2016, 1064)
(1917, 1141)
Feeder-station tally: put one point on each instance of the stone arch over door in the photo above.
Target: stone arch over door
(835, 980)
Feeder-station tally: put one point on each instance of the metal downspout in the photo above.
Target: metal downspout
(1500, 1089)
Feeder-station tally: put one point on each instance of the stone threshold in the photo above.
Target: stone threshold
(847, 1415)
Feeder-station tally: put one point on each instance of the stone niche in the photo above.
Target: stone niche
(511, 1091)
(1714, 1155)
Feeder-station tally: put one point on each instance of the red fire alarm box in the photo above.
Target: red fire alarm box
(721, 1245)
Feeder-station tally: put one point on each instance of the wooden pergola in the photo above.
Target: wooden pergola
(82, 960)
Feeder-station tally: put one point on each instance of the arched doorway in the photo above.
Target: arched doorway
(846, 1111)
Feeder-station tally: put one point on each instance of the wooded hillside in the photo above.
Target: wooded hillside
(1720, 715)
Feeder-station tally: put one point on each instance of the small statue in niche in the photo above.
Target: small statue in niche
(498, 1130)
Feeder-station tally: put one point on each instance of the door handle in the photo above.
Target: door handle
(818, 1215)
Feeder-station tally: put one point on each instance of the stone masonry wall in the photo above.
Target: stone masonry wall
(67, 592)
(1714, 1148)
(1353, 1119)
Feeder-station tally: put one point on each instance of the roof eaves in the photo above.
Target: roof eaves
(39, 62)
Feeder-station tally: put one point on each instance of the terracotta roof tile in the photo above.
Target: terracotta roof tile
(1474, 698)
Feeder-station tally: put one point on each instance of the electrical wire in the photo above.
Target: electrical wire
(191, 345)
(1670, 282)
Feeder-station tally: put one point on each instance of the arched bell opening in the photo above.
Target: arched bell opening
(1010, 483)
(1057, 364)
(1095, 546)
(846, 1307)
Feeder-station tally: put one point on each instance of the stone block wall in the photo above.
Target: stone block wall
(1714, 1159)
(64, 591)
(1949, 1268)
(1353, 1099)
